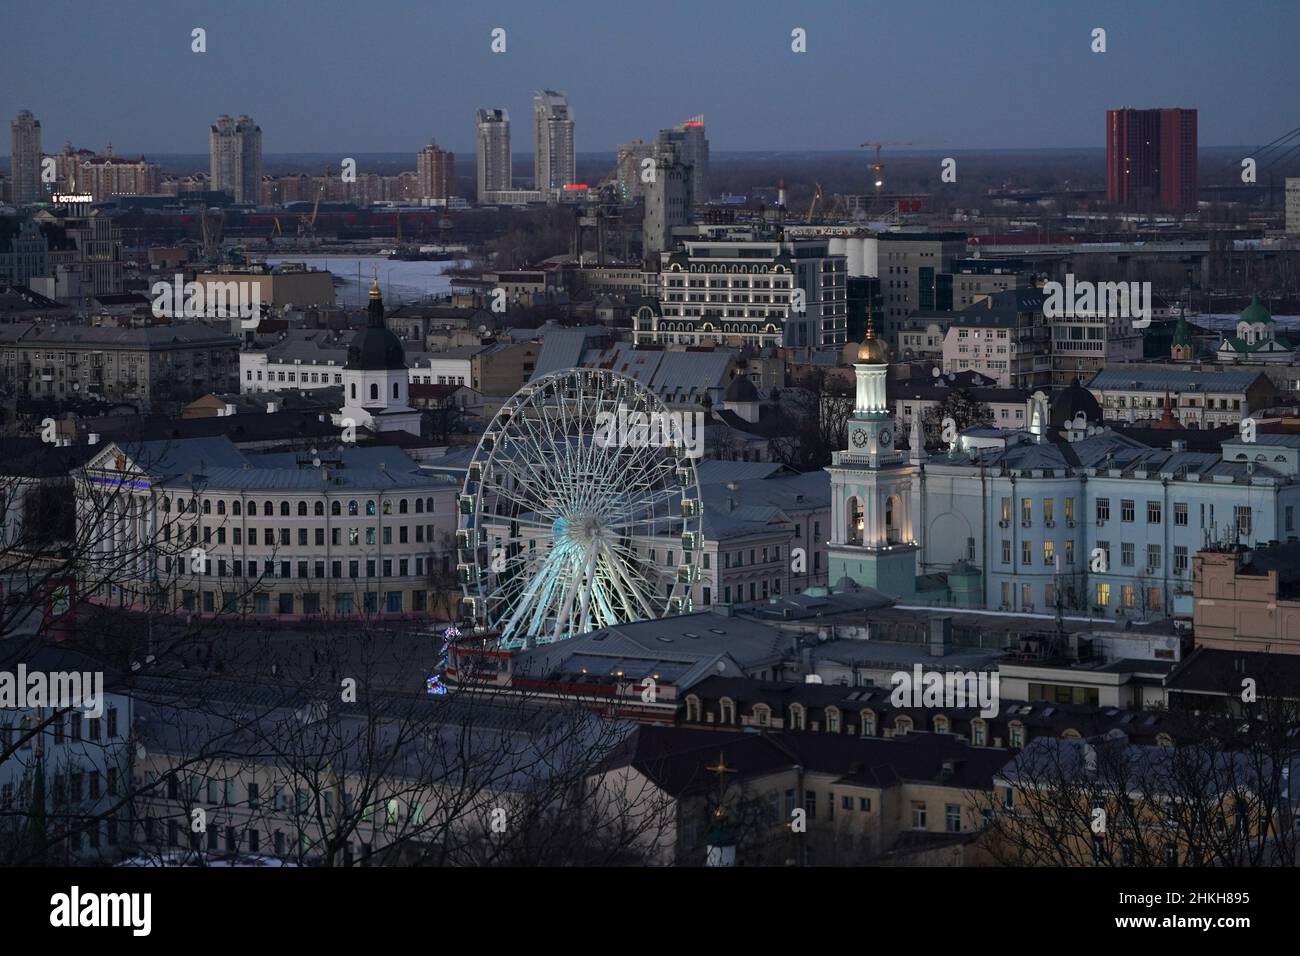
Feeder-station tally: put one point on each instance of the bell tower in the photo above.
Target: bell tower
(872, 538)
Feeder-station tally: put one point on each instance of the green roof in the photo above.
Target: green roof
(1255, 312)
(1182, 334)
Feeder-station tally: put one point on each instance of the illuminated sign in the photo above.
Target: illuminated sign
(73, 197)
(578, 186)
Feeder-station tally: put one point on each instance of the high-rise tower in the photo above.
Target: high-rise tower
(1151, 159)
(554, 159)
(492, 141)
(25, 157)
(235, 158)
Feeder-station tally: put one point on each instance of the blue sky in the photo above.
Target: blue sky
(387, 75)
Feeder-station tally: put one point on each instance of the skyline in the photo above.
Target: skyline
(775, 102)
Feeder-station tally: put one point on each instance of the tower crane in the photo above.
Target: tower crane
(878, 168)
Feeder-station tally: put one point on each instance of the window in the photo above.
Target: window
(1026, 511)
(1026, 552)
(952, 818)
(1154, 557)
(1126, 554)
(1103, 509)
(868, 720)
(1180, 513)
(1049, 553)
(1006, 551)
(1241, 517)
(1127, 509)
(1103, 596)
(918, 814)
(1180, 559)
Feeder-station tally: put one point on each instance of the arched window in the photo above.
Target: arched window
(354, 389)
(207, 506)
(941, 725)
(302, 509)
(387, 506)
(419, 506)
(396, 394)
(1069, 733)
(370, 506)
(268, 509)
(428, 505)
(352, 506)
(221, 507)
(763, 715)
(252, 509)
(166, 505)
(833, 720)
(692, 709)
(320, 508)
(868, 718)
(797, 717)
(335, 509)
(374, 392)
(727, 710)
(284, 509)
(236, 507)
(1016, 734)
(979, 733)
(902, 726)
(401, 507)
(1164, 740)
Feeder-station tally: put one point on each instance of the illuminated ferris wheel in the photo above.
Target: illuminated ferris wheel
(579, 511)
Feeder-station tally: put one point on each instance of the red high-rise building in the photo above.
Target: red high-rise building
(1151, 159)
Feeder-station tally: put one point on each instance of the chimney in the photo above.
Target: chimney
(92, 438)
(272, 407)
(230, 409)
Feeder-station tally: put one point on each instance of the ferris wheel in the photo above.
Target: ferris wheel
(570, 520)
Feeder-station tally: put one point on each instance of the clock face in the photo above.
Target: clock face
(885, 438)
(859, 438)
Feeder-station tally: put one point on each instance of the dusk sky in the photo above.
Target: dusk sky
(379, 76)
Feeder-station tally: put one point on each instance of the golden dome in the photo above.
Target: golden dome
(873, 350)
(374, 289)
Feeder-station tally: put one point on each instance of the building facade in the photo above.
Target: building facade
(195, 526)
(235, 158)
(435, 172)
(25, 158)
(747, 291)
(1151, 159)
(492, 144)
(117, 364)
(554, 158)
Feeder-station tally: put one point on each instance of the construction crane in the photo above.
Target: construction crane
(812, 206)
(878, 168)
(307, 226)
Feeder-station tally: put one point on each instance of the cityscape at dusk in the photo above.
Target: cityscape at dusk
(730, 436)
